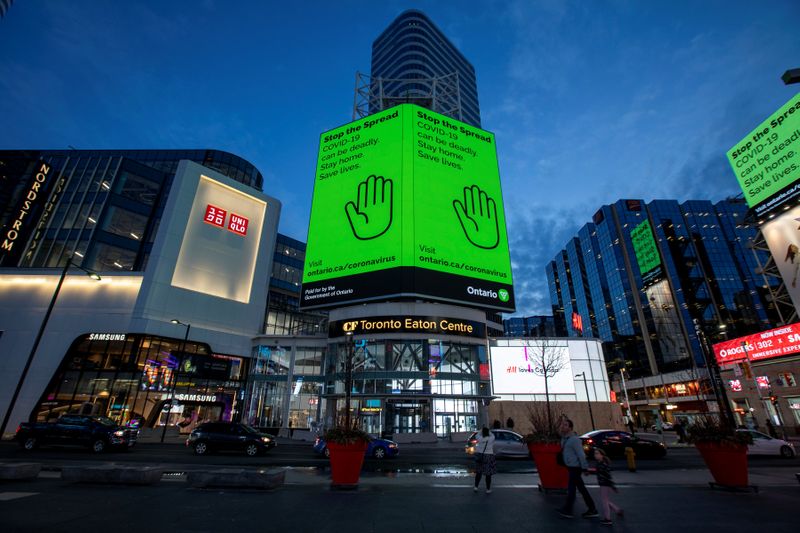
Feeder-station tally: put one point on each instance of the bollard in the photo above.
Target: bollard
(630, 455)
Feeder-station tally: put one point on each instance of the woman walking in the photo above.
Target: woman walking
(485, 464)
(603, 471)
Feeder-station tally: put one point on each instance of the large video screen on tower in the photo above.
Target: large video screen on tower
(407, 202)
(646, 251)
(766, 162)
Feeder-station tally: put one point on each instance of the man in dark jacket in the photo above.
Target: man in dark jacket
(575, 461)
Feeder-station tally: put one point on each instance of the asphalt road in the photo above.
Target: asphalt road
(412, 458)
(50, 504)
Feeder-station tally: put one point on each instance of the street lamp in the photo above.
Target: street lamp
(588, 401)
(175, 375)
(625, 390)
(12, 403)
(720, 395)
(348, 378)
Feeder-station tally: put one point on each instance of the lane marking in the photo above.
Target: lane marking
(8, 496)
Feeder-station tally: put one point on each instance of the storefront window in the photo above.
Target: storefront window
(131, 381)
(794, 408)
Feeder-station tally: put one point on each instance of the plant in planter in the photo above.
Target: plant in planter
(723, 449)
(544, 444)
(347, 447)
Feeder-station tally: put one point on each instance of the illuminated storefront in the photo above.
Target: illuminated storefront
(423, 368)
(129, 378)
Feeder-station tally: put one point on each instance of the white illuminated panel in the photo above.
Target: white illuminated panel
(220, 244)
(514, 370)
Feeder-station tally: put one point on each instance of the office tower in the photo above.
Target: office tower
(413, 61)
(641, 275)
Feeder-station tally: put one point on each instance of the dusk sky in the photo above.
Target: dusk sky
(590, 101)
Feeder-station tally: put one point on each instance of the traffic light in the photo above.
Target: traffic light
(774, 400)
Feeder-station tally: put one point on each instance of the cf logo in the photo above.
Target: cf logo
(350, 326)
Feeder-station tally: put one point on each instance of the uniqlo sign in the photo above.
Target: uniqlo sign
(215, 216)
(765, 345)
(238, 224)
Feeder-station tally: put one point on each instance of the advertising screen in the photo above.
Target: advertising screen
(766, 161)
(646, 251)
(407, 202)
(783, 238)
(514, 371)
(765, 345)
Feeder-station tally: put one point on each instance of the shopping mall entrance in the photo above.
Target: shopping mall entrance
(407, 415)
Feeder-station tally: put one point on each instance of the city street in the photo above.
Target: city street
(413, 458)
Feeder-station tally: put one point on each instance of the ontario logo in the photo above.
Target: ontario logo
(501, 295)
(350, 326)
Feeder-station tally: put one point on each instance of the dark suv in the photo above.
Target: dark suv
(96, 432)
(213, 436)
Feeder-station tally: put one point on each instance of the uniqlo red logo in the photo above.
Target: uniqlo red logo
(215, 216)
(238, 224)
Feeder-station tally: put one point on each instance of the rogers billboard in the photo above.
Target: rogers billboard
(765, 345)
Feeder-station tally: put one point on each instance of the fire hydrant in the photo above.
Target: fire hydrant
(630, 455)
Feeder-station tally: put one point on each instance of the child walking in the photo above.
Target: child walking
(603, 471)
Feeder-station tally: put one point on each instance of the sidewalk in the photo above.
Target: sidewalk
(383, 504)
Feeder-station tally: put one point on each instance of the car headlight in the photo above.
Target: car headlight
(266, 439)
(119, 433)
(393, 446)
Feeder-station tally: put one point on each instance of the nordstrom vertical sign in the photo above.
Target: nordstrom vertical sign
(16, 232)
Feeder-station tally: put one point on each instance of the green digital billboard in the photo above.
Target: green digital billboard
(646, 252)
(407, 202)
(766, 162)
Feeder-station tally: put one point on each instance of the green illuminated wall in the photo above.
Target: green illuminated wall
(407, 202)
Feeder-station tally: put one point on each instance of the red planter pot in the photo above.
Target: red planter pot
(727, 463)
(346, 461)
(551, 474)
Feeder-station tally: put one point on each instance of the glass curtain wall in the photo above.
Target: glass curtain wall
(131, 381)
(408, 386)
(285, 386)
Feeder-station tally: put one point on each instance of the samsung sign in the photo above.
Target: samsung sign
(408, 324)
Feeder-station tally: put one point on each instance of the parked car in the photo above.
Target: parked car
(214, 436)
(98, 433)
(666, 426)
(506, 444)
(614, 442)
(377, 448)
(765, 445)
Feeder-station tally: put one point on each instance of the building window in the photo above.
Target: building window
(125, 223)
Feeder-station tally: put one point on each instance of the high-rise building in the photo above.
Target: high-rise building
(413, 61)
(641, 276)
(103, 206)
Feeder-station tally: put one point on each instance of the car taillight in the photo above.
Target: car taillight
(589, 441)
(19, 428)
